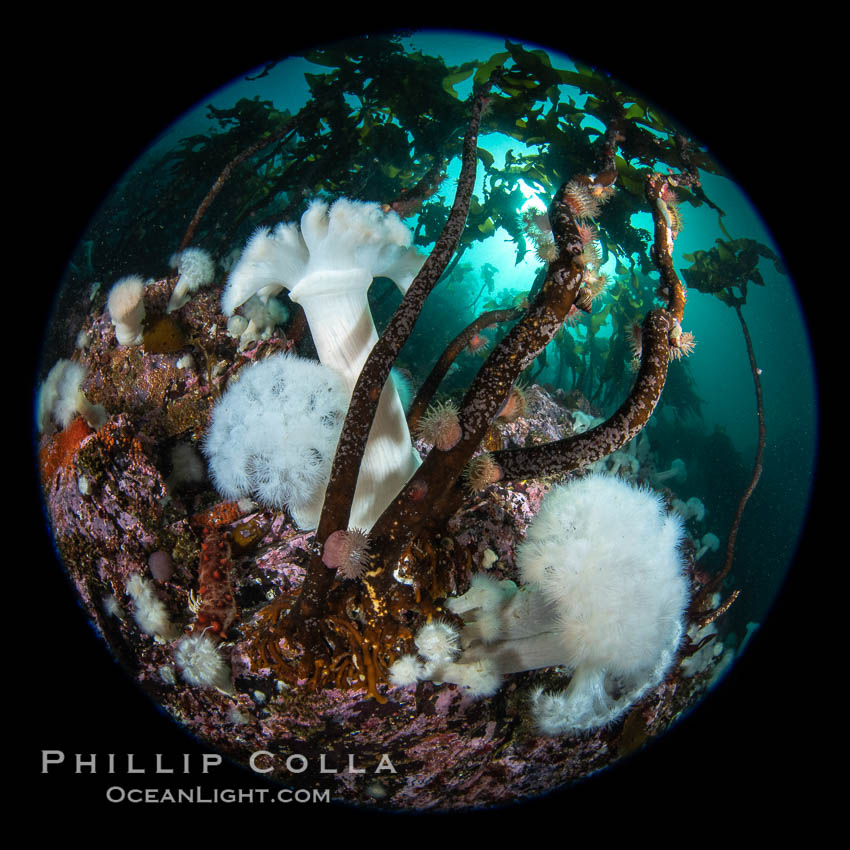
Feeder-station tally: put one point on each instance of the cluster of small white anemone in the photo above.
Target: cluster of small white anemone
(198, 655)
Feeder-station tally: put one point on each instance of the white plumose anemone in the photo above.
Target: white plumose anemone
(61, 398)
(126, 307)
(197, 269)
(604, 596)
(273, 434)
(150, 613)
(328, 266)
(201, 662)
(606, 555)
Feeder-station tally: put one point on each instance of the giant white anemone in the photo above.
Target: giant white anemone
(603, 595)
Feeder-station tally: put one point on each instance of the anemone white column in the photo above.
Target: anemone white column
(337, 310)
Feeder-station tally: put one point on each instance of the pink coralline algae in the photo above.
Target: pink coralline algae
(111, 512)
(447, 749)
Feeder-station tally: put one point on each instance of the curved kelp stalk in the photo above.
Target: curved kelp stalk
(726, 271)
(704, 617)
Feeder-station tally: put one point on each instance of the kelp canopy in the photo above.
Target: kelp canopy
(381, 119)
(384, 123)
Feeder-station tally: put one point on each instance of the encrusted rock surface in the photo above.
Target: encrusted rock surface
(110, 509)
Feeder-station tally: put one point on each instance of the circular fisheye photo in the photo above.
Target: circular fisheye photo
(423, 421)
